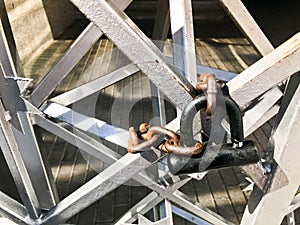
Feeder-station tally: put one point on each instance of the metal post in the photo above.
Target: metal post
(159, 35)
(183, 38)
(23, 133)
(281, 191)
(9, 55)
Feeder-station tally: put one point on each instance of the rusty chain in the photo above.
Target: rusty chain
(167, 140)
(164, 139)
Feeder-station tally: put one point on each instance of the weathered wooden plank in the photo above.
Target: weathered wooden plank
(223, 202)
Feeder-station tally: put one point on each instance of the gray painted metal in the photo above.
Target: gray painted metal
(112, 177)
(76, 51)
(78, 139)
(13, 210)
(78, 93)
(92, 125)
(23, 137)
(37, 166)
(159, 35)
(138, 48)
(184, 54)
(17, 167)
(9, 57)
(286, 154)
(266, 72)
(188, 216)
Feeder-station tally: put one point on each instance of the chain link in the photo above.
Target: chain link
(167, 140)
(161, 138)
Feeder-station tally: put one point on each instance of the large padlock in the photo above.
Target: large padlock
(213, 156)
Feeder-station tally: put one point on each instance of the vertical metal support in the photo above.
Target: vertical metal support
(17, 168)
(290, 219)
(291, 87)
(72, 56)
(286, 154)
(183, 38)
(159, 35)
(238, 12)
(266, 72)
(162, 23)
(23, 133)
(109, 179)
(9, 56)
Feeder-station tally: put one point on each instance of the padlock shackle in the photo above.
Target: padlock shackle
(187, 117)
(198, 103)
(235, 120)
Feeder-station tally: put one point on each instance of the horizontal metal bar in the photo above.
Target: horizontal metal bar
(188, 216)
(72, 56)
(13, 210)
(266, 72)
(97, 127)
(109, 179)
(94, 86)
(220, 74)
(78, 139)
(138, 48)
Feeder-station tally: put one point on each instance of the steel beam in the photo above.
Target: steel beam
(78, 139)
(85, 90)
(23, 137)
(17, 167)
(13, 210)
(138, 48)
(109, 179)
(188, 216)
(147, 203)
(253, 115)
(10, 59)
(141, 207)
(159, 35)
(72, 56)
(238, 12)
(182, 28)
(286, 154)
(266, 72)
(94, 126)
(162, 23)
